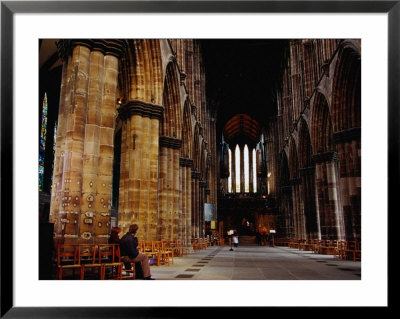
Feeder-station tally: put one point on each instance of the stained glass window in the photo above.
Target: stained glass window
(42, 141)
(246, 170)
(230, 171)
(254, 172)
(237, 168)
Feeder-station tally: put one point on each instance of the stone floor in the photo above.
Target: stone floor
(257, 263)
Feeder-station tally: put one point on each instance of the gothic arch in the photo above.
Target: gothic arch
(346, 90)
(346, 117)
(187, 135)
(141, 72)
(196, 148)
(307, 175)
(304, 144)
(321, 131)
(172, 120)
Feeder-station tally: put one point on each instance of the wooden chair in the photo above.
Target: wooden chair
(195, 244)
(163, 255)
(181, 246)
(110, 258)
(87, 256)
(352, 251)
(169, 247)
(128, 273)
(148, 249)
(67, 258)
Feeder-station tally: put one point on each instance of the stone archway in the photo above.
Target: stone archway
(307, 175)
(346, 114)
(325, 158)
(169, 223)
(285, 200)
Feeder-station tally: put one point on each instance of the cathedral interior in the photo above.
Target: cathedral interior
(192, 138)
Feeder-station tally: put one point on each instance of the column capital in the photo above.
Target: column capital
(185, 162)
(351, 134)
(195, 174)
(144, 109)
(325, 157)
(107, 47)
(310, 170)
(203, 184)
(170, 142)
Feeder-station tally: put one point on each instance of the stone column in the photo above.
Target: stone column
(169, 192)
(186, 208)
(349, 149)
(298, 213)
(329, 204)
(311, 217)
(138, 196)
(195, 203)
(286, 216)
(202, 192)
(81, 191)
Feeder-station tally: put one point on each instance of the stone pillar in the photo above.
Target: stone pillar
(203, 196)
(195, 203)
(138, 195)
(81, 191)
(186, 189)
(169, 192)
(310, 212)
(286, 216)
(298, 213)
(329, 204)
(349, 149)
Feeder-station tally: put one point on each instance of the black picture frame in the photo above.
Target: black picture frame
(9, 8)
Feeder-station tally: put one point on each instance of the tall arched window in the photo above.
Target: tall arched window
(230, 171)
(246, 170)
(237, 168)
(42, 141)
(254, 173)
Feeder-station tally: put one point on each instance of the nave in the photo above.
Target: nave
(253, 262)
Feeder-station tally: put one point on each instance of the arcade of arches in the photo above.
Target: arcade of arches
(189, 138)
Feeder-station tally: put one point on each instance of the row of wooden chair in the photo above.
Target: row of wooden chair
(108, 256)
(343, 249)
(89, 256)
(200, 243)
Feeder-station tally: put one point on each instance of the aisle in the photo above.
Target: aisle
(257, 263)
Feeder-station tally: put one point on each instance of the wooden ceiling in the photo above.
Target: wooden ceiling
(242, 128)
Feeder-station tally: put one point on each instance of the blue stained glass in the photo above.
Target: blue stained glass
(42, 141)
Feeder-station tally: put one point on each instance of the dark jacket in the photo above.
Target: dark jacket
(129, 245)
(114, 238)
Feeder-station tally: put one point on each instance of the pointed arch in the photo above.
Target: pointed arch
(187, 134)
(346, 90)
(140, 72)
(196, 148)
(321, 133)
(304, 147)
(172, 121)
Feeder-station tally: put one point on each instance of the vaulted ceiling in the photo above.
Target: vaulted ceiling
(241, 78)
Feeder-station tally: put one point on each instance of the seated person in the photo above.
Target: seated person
(130, 252)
